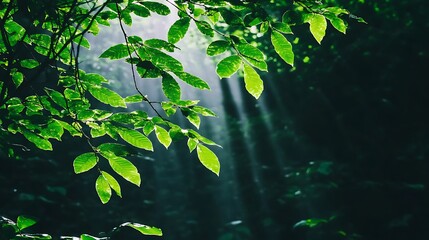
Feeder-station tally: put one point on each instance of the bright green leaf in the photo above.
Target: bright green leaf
(139, 10)
(103, 189)
(282, 47)
(208, 159)
(29, 63)
(37, 140)
(193, 80)
(163, 136)
(282, 27)
(85, 162)
(253, 81)
(178, 30)
(107, 96)
(136, 139)
(250, 51)
(170, 88)
(24, 222)
(146, 230)
(116, 52)
(134, 98)
(228, 66)
(17, 78)
(192, 144)
(125, 169)
(318, 27)
(112, 183)
(205, 28)
(157, 7)
(217, 47)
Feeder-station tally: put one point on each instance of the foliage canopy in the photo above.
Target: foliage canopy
(45, 95)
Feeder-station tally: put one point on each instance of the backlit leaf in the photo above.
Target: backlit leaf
(163, 136)
(208, 159)
(193, 80)
(29, 63)
(228, 66)
(37, 140)
(192, 144)
(125, 169)
(217, 47)
(170, 88)
(85, 162)
(24, 222)
(282, 47)
(103, 189)
(178, 30)
(146, 230)
(116, 52)
(159, 8)
(250, 51)
(136, 139)
(112, 183)
(253, 81)
(205, 28)
(107, 96)
(318, 27)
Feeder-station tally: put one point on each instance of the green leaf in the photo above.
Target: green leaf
(194, 119)
(205, 28)
(136, 139)
(113, 148)
(159, 8)
(146, 230)
(337, 23)
(164, 61)
(52, 130)
(112, 183)
(230, 17)
(170, 88)
(250, 51)
(163, 136)
(148, 127)
(204, 111)
(192, 144)
(107, 96)
(125, 169)
(17, 78)
(116, 52)
(103, 189)
(282, 27)
(160, 44)
(89, 237)
(37, 140)
(208, 159)
(85, 162)
(253, 81)
(24, 222)
(218, 47)
(57, 97)
(139, 10)
(282, 47)
(94, 78)
(261, 65)
(318, 27)
(228, 66)
(29, 63)
(74, 131)
(193, 80)
(178, 30)
(134, 98)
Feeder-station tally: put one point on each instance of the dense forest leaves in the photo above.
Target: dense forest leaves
(337, 149)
